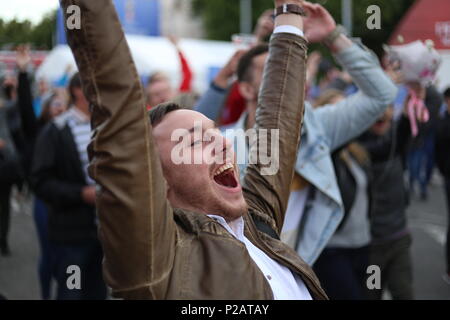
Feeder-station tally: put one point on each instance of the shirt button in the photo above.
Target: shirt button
(269, 277)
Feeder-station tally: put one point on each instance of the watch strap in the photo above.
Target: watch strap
(289, 8)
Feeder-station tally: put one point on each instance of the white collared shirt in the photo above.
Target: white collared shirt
(293, 217)
(285, 285)
(289, 29)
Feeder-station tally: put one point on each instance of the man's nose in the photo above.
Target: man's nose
(222, 145)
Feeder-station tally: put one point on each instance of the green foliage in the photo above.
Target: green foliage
(221, 17)
(40, 36)
(391, 14)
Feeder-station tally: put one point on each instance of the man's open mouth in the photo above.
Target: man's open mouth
(225, 176)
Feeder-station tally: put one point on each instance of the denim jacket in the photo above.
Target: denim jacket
(325, 130)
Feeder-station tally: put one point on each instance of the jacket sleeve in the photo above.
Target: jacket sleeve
(349, 118)
(186, 83)
(44, 179)
(212, 101)
(137, 229)
(278, 121)
(25, 105)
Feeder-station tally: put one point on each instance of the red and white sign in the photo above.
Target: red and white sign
(426, 19)
(443, 31)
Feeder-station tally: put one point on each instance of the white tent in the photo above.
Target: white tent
(152, 54)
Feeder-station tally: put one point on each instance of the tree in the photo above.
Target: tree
(42, 34)
(39, 36)
(391, 14)
(221, 17)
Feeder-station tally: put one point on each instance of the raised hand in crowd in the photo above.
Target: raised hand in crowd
(23, 58)
(174, 40)
(229, 70)
(264, 26)
(2, 144)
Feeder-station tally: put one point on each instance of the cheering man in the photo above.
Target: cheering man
(190, 230)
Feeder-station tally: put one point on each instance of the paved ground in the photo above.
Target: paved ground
(428, 221)
(18, 273)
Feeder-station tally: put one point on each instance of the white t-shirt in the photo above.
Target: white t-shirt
(293, 217)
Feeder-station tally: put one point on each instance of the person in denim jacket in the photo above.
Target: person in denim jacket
(315, 207)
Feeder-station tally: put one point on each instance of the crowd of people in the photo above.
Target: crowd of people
(108, 198)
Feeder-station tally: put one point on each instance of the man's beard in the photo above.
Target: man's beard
(208, 202)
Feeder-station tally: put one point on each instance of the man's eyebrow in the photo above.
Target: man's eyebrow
(191, 130)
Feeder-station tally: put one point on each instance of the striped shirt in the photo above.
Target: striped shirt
(81, 130)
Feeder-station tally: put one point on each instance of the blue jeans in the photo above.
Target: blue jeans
(416, 160)
(342, 272)
(88, 257)
(45, 268)
(421, 164)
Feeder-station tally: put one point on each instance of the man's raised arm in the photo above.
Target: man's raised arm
(136, 223)
(280, 112)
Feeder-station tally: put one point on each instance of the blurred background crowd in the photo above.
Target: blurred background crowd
(398, 170)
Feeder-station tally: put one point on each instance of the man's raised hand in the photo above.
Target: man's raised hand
(318, 23)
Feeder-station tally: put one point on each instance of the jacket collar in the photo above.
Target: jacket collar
(236, 227)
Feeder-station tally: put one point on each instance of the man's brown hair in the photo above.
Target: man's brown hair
(75, 82)
(158, 113)
(245, 63)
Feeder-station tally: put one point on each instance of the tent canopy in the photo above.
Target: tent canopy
(152, 54)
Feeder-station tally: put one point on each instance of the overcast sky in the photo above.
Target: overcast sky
(33, 10)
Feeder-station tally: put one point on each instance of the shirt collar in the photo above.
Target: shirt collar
(236, 225)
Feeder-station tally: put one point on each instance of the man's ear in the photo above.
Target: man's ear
(247, 91)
